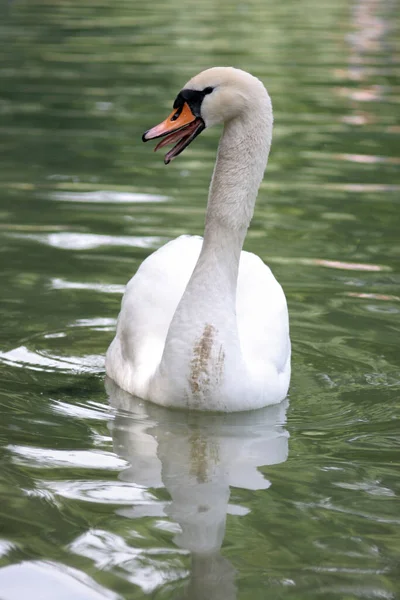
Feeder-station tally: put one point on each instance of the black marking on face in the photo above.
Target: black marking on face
(193, 98)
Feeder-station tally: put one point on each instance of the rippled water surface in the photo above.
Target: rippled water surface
(102, 496)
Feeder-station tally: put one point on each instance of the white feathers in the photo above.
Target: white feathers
(202, 324)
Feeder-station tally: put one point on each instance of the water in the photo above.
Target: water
(105, 497)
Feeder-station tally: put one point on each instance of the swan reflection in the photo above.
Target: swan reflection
(197, 457)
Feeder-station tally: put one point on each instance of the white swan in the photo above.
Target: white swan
(204, 325)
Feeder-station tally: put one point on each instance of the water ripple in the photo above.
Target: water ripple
(104, 492)
(89, 241)
(107, 197)
(48, 458)
(110, 551)
(41, 361)
(54, 580)
(106, 288)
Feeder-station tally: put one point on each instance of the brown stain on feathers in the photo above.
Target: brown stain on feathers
(206, 369)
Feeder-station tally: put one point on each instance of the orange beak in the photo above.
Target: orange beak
(182, 126)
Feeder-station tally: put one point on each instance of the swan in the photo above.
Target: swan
(204, 325)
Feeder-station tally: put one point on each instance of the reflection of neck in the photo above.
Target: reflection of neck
(199, 505)
(212, 578)
(198, 456)
(200, 501)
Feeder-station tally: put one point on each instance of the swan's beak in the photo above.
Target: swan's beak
(182, 126)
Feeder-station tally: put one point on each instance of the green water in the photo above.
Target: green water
(102, 496)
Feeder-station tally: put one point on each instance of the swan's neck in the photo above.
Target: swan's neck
(239, 168)
(202, 344)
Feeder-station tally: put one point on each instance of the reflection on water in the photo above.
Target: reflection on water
(198, 458)
(138, 510)
(47, 581)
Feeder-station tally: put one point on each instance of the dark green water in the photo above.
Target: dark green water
(104, 497)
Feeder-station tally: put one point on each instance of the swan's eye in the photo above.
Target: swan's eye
(208, 90)
(176, 115)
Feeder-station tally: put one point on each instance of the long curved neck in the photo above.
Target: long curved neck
(202, 348)
(241, 160)
(239, 169)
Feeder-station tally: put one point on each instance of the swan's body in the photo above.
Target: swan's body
(204, 325)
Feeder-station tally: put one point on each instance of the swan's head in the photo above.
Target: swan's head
(214, 96)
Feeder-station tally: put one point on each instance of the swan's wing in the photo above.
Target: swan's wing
(147, 308)
(262, 317)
